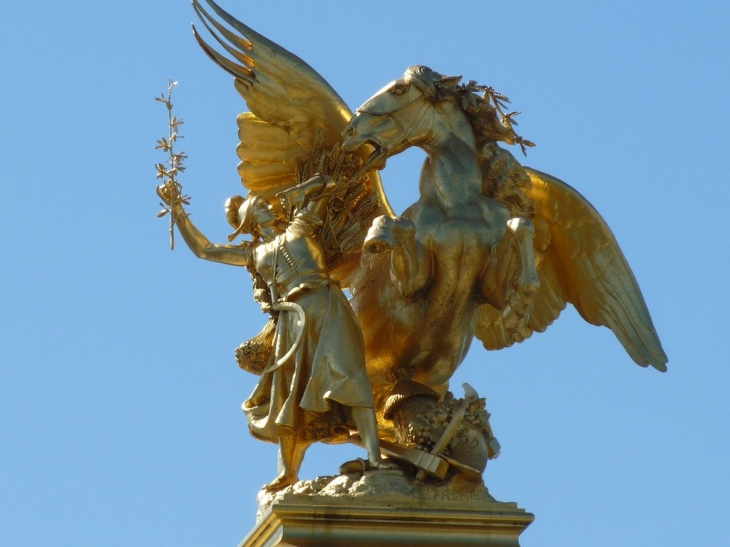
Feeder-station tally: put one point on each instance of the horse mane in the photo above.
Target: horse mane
(503, 178)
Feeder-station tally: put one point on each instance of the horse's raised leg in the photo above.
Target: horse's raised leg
(520, 302)
(409, 265)
(511, 281)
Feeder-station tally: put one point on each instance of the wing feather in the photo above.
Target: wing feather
(278, 86)
(579, 261)
(293, 130)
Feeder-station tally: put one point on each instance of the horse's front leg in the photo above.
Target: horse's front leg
(410, 262)
(511, 282)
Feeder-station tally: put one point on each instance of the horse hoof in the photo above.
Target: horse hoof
(354, 466)
(360, 465)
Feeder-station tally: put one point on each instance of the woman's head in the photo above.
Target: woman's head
(249, 215)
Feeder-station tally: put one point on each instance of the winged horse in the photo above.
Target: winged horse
(491, 249)
(495, 250)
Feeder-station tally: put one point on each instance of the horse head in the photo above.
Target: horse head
(400, 115)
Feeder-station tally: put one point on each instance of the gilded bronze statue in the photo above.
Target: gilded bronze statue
(491, 249)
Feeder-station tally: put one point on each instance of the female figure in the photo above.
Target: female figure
(315, 381)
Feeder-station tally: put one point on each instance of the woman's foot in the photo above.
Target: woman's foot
(281, 482)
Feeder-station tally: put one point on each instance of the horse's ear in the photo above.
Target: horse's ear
(445, 85)
(450, 81)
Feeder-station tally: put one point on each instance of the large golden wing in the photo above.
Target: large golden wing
(579, 262)
(294, 127)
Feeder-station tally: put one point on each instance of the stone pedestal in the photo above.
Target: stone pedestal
(385, 509)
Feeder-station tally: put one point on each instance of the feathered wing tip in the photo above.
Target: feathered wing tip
(242, 69)
(591, 270)
(271, 70)
(294, 125)
(580, 262)
(248, 38)
(290, 102)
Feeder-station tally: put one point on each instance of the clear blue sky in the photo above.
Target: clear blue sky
(120, 419)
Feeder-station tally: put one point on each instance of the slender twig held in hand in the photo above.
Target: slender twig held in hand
(169, 170)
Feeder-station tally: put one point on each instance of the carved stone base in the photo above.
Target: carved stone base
(387, 509)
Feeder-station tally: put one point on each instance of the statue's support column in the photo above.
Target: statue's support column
(437, 517)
